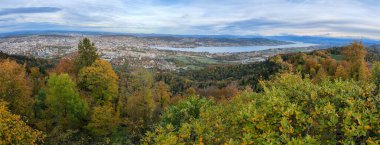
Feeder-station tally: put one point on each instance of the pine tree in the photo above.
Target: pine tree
(86, 54)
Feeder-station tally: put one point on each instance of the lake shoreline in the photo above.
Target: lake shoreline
(235, 49)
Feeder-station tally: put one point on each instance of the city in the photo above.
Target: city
(138, 51)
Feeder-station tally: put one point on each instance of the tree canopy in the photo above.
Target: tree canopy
(100, 81)
(15, 131)
(64, 102)
(15, 88)
(87, 54)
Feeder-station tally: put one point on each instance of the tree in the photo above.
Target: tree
(290, 110)
(64, 101)
(320, 76)
(42, 117)
(87, 54)
(104, 120)
(15, 88)
(341, 72)
(140, 104)
(65, 65)
(36, 78)
(14, 131)
(162, 94)
(100, 81)
(355, 55)
(190, 91)
(376, 73)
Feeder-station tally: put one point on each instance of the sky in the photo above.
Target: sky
(332, 18)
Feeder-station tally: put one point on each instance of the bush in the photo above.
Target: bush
(290, 110)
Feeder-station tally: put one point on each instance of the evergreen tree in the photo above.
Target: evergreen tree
(86, 54)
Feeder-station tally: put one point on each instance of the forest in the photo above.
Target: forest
(326, 96)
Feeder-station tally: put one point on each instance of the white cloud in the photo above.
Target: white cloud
(242, 17)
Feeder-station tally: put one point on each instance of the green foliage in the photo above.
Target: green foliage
(376, 73)
(87, 54)
(221, 76)
(42, 64)
(104, 120)
(291, 110)
(185, 111)
(64, 102)
(40, 105)
(140, 104)
(326, 103)
(100, 81)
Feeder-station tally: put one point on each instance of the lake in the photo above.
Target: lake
(235, 49)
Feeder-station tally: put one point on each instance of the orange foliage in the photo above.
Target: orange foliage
(65, 65)
(15, 88)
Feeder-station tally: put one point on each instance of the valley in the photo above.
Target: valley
(141, 51)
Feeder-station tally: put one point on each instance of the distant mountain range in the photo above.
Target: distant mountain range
(327, 41)
(324, 40)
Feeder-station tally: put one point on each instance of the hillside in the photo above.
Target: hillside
(319, 97)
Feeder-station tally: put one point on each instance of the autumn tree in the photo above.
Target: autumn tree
(100, 81)
(86, 54)
(190, 91)
(355, 56)
(330, 66)
(290, 110)
(65, 65)
(341, 72)
(320, 76)
(104, 120)
(162, 94)
(140, 104)
(14, 131)
(140, 100)
(15, 88)
(64, 101)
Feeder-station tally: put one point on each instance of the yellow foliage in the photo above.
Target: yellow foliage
(14, 131)
(100, 80)
(15, 88)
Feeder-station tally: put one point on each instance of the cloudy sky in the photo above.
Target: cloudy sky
(335, 18)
